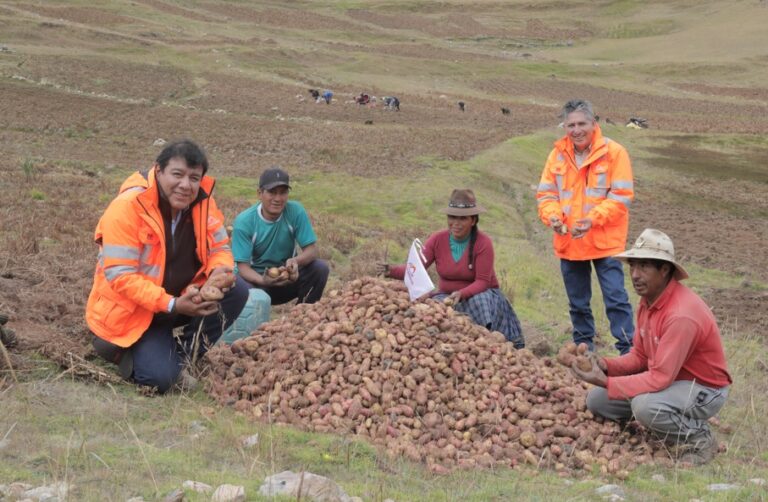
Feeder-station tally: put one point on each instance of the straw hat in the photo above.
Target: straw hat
(654, 245)
(463, 203)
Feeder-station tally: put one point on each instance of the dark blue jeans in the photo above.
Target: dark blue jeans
(308, 288)
(577, 276)
(158, 357)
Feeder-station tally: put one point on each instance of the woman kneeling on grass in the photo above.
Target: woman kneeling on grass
(463, 257)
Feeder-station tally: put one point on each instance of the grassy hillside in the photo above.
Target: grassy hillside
(87, 89)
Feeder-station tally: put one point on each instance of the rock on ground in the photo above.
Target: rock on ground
(250, 441)
(610, 490)
(313, 487)
(229, 493)
(196, 486)
(721, 487)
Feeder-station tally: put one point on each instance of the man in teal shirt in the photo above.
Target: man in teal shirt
(267, 234)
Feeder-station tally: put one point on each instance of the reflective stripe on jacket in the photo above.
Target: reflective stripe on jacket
(127, 284)
(601, 190)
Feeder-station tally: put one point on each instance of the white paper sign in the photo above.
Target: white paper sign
(416, 277)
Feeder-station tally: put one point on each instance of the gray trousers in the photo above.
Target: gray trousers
(677, 414)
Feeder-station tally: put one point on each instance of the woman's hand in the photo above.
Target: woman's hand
(382, 269)
(427, 295)
(455, 297)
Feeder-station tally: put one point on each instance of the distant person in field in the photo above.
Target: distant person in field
(267, 235)
(315, 94)
(391, 103)
(464, 258)
(363, 99)
(584, 196)
(675, 377)
(159, 240)
(327, 96)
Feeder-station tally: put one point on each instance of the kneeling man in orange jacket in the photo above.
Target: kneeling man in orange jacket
(159, 240)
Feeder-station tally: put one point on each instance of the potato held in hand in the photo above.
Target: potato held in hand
(224, 280)
(212, 290)
(583, 363)
(273, 272)
(567, 354)
(211, 293)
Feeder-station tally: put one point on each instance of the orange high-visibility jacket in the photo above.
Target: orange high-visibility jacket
(601, 190)
(127, 284)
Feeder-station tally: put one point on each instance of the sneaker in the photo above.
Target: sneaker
(699, 452)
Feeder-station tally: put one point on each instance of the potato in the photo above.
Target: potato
(273, 272)
(211, 293)
(222, 280)
(583, 363)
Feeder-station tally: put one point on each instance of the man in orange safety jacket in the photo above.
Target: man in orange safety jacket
(584, 196)
(159, 240)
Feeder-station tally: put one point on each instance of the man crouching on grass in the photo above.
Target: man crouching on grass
(675, 376)
(159, 240)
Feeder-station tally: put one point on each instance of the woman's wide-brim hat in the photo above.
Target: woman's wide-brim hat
(463, 203)
(654, 245)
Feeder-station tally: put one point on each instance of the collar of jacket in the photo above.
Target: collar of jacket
(145, 181)
(598, 146)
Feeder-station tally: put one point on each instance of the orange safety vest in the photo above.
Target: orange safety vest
(602, 189)
(127, 284)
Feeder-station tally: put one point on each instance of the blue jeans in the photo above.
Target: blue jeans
(577, 276)
(158, 357)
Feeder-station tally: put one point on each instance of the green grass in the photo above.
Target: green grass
(113, 443)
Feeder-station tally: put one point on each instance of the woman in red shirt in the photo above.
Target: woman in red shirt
(463, 257)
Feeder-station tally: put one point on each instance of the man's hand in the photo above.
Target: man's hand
(595, 376)
(382, 269)
(581, 228)
(557, 225)
(274, 282)
(597, 361)
(292, 265)
(192, 305)
(222, 270)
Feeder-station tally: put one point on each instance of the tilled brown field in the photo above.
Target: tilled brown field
(86, 92)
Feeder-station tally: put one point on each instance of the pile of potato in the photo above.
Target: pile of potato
(422, 381)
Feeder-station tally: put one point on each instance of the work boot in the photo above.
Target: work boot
(698, 452)
(186, 382)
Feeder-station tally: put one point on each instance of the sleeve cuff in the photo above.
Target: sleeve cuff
(172, 305)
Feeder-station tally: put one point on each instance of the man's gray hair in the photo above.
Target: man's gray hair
(578, 105)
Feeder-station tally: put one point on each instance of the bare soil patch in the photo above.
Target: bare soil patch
(739, 310)
(84, 15)
(169, 8)
(675, 114)
(737, 92)
(296, 19)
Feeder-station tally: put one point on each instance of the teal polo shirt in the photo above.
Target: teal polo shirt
(262, 243)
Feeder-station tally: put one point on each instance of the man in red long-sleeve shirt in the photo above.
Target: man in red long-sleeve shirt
(675, 376)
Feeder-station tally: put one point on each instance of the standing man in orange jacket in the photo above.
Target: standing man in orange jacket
(584, 196)
(160, 239)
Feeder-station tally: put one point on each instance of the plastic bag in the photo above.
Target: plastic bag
(416, 278)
